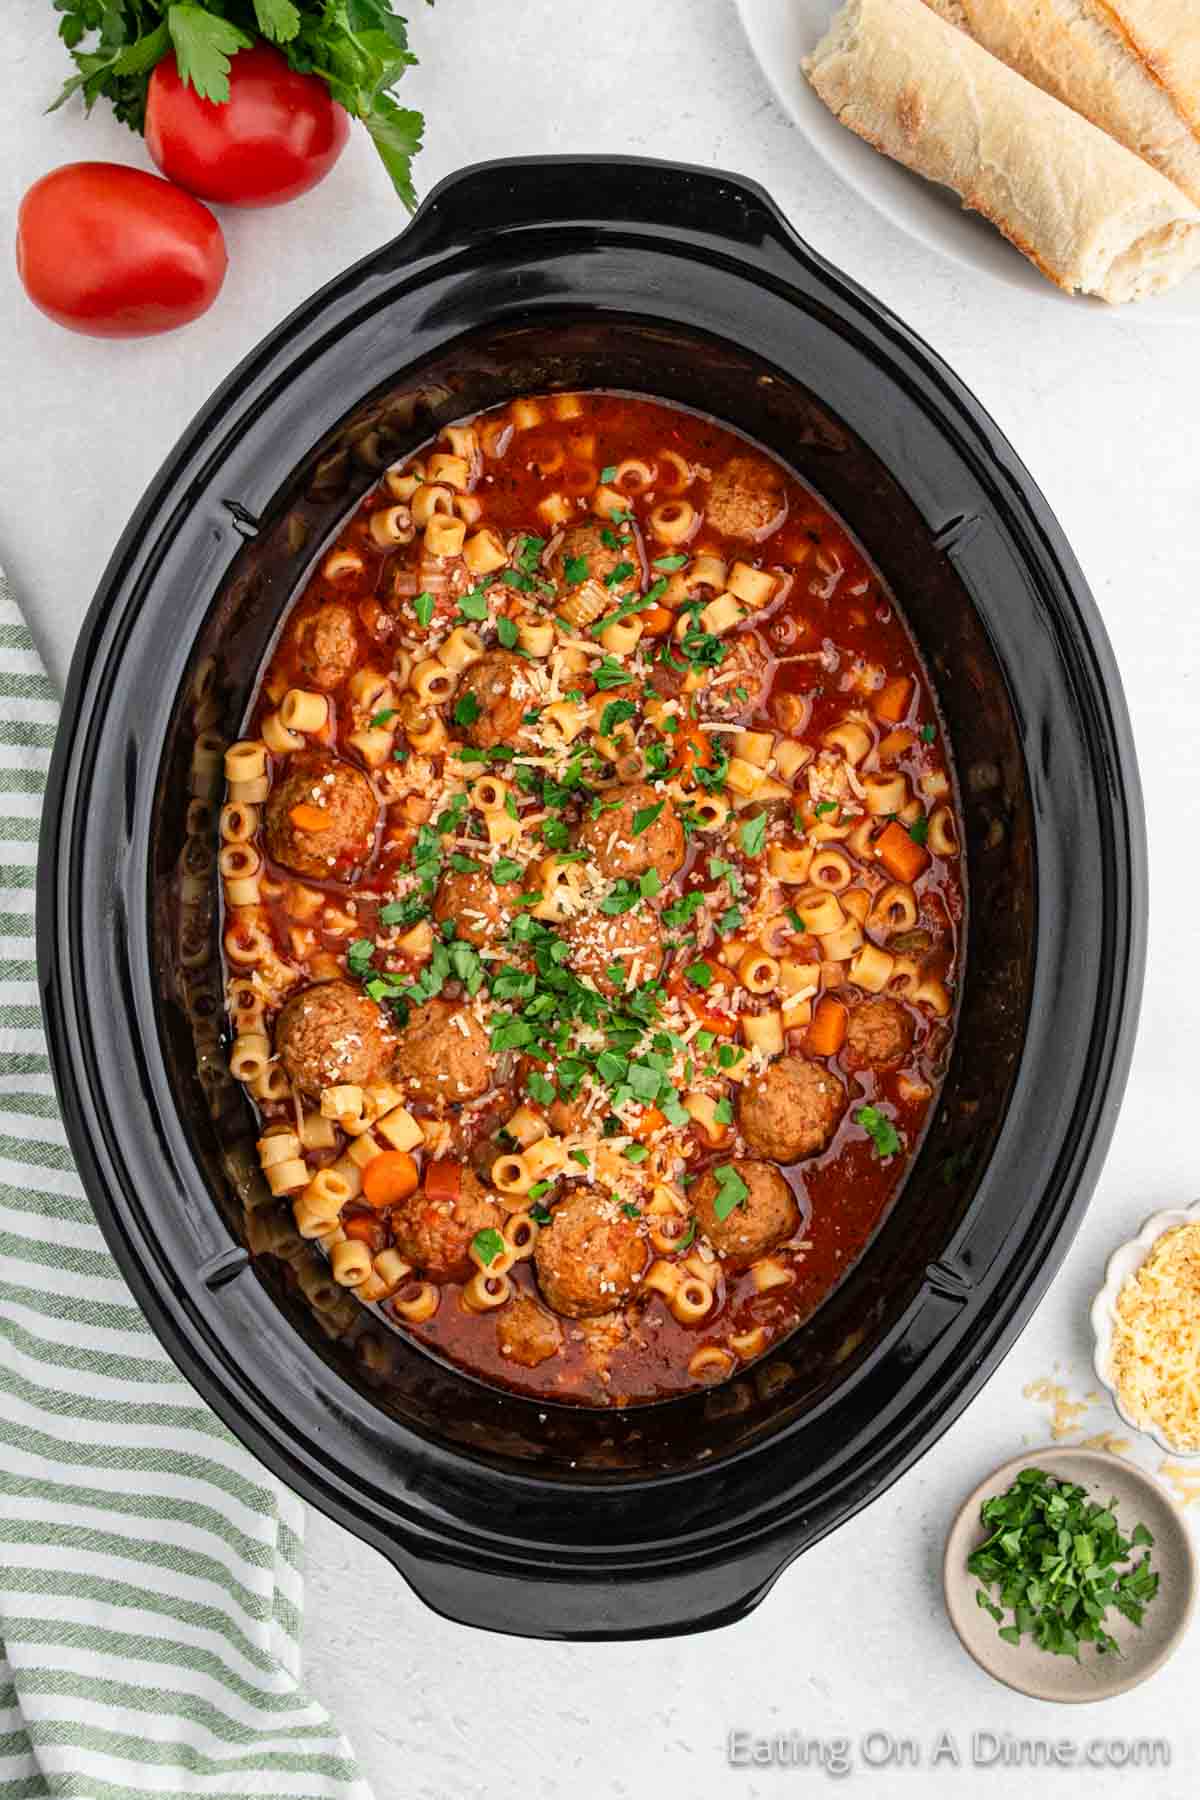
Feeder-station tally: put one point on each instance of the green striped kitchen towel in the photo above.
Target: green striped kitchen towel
(150, 1569)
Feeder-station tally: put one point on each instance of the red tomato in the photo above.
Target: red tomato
(277, 135)
(115, 252)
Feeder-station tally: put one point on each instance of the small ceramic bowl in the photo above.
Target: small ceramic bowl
(1124, 1262)
(1143, 1649)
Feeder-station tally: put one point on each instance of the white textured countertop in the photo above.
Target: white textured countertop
(1103, 407)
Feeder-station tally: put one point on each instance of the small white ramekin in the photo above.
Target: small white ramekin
(1123, 1262)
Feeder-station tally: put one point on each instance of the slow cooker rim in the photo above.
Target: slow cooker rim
(970, 415)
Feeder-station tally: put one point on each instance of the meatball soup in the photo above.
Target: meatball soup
(593, 900)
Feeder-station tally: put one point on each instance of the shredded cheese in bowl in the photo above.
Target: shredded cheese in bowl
(1156, 1339)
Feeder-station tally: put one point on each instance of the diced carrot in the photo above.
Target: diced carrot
(892, 701)
(650, 1121)
(720, 1024)
(827, 1033)
(692, 751)
(389, 1177)
(656, 620)
(443, 1180)
(895, 744)
(902, 857)
(705, 1005)
(365, 1228)
(310, 818)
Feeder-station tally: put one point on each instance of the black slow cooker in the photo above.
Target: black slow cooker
(502, 1512)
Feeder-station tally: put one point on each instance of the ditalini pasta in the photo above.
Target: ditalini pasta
(593, 900)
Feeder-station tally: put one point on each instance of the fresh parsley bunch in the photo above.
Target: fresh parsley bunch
(359, 48)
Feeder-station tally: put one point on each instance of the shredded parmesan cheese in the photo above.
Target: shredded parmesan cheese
(1067, 1413)
(1156, 1339)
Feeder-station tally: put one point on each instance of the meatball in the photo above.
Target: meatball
(587, 541)
(743, 680)
(590, 1257)
(321, 784)
(471, 898)
(435, 1235)
(766, 1218)
(500, 686)
(586, 1106)
(879, 1035)
(618, 850)
(632, 940)
(527, 1333)
(791, 1110)
(327, 645)
(746, 499)
(332, 1033)
(443, 1054)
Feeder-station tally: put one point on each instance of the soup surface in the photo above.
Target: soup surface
(593, 901)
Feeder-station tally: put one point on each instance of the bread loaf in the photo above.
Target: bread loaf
(1121, 63)
(1093, 216)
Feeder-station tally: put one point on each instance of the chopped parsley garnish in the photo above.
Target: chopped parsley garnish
(918, 831)
(880, 1130)
(670, 563)
(488, 1245)
(474, 605)
(1054, 1556)
(620, 573)
(731, 1193)
(541, 1215)
(824, 807)
(635, 1153)
(555, 834)
(609, 674)
(400, 912)
(645, 816)
(358, 957)
(540, 1189)
(794, 919)
(466, 709)
(608, 473)
(575, 568)
(463, 865)
(753, 834)
(529, 554)
(506, 631)
(505, 870)
(699, 974)
(423, 606)
(928, 733)
(614, 714)
(579, 1156)
(380, 719)
(730, 919)
(685, 908)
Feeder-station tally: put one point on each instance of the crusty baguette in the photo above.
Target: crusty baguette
(1165, 34)
(1093, 217)
(1104, 58)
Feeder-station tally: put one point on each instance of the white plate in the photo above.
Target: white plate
(781, 33)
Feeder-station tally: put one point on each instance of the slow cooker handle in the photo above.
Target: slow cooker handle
(582, 192)
(530, 1603)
